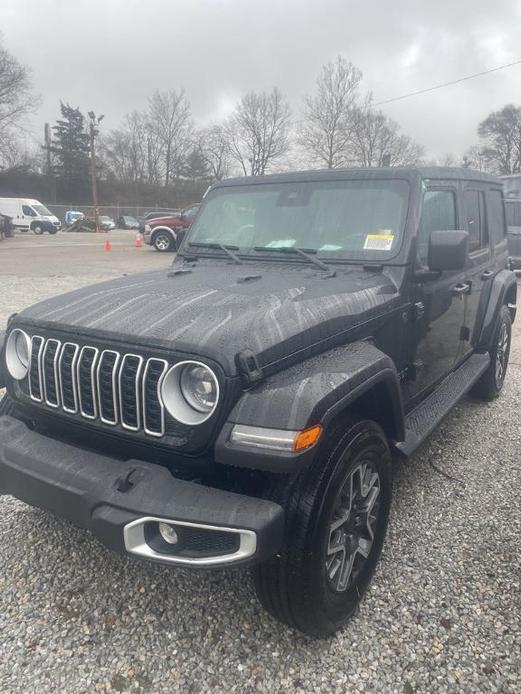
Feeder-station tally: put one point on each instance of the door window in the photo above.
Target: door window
(28, 211)
(476, 221)
(438, 214)
(496, 216)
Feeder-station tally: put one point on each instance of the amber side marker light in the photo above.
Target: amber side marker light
(307, 438)
(275, 439)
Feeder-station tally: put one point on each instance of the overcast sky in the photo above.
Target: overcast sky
(109, 55)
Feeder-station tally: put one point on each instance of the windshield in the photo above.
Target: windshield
(343, 219)
(42, 210)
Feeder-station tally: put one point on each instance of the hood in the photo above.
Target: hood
(164, 220)
(218, 309)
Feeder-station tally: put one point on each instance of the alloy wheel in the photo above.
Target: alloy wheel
(162, 242)
(502, 353)
(352, 527)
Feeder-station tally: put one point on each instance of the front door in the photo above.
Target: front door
(438, 303)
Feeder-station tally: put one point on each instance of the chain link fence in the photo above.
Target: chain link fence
(113, 211)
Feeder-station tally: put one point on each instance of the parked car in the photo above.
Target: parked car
(156, 214)
(106, 223)
(30, 215)
(246, 414)
(127, 222)
(513, 217)
(72, 216)
(166, 233)
(6, 227)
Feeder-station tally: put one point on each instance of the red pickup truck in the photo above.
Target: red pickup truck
(166, 233)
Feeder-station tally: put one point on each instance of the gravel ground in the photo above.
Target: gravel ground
(443, 613)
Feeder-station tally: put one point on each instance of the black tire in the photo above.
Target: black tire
(491, 382)
(163, 241)
(37, 229)
(296, 585)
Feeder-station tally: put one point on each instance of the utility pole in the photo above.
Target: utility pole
(48, 160)
(94, 131)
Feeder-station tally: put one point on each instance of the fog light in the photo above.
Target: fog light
(168, 533)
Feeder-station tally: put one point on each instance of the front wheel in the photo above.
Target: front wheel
(163, 242)
(491, 382)
(337, 515)
(37, 229)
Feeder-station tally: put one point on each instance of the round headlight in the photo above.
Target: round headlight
(199, 387)
(190, 391)
(18, 354)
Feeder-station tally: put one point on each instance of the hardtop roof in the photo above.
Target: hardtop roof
(409, 173)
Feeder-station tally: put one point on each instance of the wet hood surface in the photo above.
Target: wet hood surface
(219, 309)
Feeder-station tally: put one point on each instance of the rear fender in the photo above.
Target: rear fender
(502, 292)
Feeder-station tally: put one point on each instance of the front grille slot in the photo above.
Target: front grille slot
(86, 382)
(107, 379)
(106, 385)
(49, 369)
(129, 381)
(67, 368)
(153, 411)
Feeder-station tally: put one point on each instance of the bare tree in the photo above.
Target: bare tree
(213, 146)
(257, 134)
(327, 122)
(16, 99)
(170, 121)
(500, 134)
(475, 158)
(376, 141)
(124, 150)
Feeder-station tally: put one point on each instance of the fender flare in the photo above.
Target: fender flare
(503, 291)
(312, 392)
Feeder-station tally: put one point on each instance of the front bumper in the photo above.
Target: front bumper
(120, 501)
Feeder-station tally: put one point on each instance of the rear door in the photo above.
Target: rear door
(479, 269)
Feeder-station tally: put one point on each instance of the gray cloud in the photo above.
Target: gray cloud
(109, 55)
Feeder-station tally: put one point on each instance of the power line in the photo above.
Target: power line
(447, 84)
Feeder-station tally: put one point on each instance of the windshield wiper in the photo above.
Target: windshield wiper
(303, 252)
(220, 246)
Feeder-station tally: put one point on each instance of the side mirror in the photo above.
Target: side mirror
(448, 250)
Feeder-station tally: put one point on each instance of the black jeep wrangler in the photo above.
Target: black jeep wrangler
(243, 407)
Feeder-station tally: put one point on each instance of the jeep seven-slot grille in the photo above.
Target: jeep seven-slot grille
(116, 388)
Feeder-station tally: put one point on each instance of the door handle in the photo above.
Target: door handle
(487, 274)
(461, 288)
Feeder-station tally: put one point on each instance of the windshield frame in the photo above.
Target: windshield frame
(358, 176)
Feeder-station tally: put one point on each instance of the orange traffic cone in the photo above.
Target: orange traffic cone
(139, 240)
(107, 246)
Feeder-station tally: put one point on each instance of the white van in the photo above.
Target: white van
(29, 215)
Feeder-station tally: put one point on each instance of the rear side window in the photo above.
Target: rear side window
(438, 214)
(476, 221)
(496, 216)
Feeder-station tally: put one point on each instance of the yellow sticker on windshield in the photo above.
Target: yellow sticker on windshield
(378, 242)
